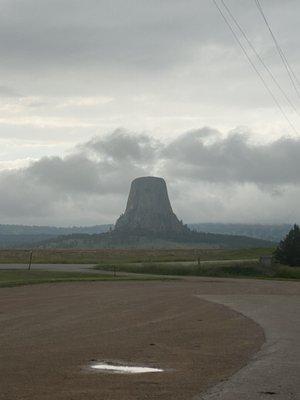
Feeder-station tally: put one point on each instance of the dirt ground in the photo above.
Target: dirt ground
(50, 333)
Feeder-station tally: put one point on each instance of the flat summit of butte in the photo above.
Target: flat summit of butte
(149, 209)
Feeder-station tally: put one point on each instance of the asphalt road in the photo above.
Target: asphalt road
(274, 372)
(54, 267)
(87, 267)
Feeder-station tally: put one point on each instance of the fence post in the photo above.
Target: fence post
(30, 260)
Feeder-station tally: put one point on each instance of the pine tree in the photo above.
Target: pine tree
(288, 250)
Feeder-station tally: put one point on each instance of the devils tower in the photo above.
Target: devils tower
(149, 221)
(149, 209)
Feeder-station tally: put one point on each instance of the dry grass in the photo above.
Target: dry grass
(111, 256)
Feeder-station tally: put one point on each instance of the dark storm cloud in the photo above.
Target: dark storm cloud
(100, 167)
(73, 174)
(233, 159)
(21, 196)
(121, 146)
(105, 166)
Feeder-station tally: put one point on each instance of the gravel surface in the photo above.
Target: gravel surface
(50, 333)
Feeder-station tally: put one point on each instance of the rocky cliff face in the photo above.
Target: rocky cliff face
(149, 208)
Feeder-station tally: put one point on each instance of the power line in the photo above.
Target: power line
(260, 58)
(293, 78)
(285, 61)
(254, 66)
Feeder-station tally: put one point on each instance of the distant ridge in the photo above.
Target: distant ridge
(270, 232)
(6, 229)
(142, 239)
(28, 236)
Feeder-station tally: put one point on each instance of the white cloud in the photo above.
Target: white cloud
(85, 101)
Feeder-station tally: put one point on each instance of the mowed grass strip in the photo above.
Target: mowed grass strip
(10, 278)
(222, 269)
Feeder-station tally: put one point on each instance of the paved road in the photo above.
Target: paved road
(86, 267)
(274, 372)
(53, 267)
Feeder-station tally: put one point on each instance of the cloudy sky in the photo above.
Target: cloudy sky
(95, 93)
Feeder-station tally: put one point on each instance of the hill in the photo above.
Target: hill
(270, 232)
(24, 236)
(142, 239)
(28, 236)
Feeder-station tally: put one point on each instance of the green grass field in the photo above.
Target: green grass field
(238, 268)
(112, 256)
(177, 262)
(10, 278)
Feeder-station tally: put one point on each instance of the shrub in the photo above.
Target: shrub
(288, 250)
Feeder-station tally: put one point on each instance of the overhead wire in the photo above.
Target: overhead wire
(293, 78)
(254, 66)
(267, 68)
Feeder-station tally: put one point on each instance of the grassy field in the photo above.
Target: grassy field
(238, 268)
(9, 278)
(112, 256)
(177, 262)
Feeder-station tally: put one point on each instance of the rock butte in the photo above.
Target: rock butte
(149, 209)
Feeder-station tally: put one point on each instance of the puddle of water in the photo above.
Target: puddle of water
(123, 369)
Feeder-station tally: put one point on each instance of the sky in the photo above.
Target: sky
(94, 94)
